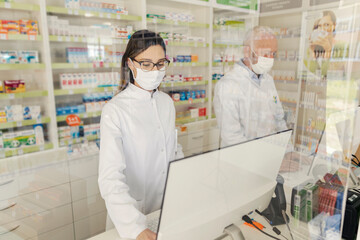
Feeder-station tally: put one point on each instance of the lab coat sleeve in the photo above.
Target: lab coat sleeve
(279, 113)
(227, 110)
(121, 207)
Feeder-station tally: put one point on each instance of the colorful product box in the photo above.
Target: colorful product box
(27, 137)
(1, 141)
(28, 27)
(28, 56)
(14, 113)
(1, 87)
(14, 86)
(9, 57)
(3, 118)
(32, 112)
(11, 140)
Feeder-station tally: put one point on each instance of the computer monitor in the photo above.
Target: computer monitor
(208, 192)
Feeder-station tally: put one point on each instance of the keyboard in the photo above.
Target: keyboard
(152, 220)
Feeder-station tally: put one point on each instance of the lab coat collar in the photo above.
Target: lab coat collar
(141, 94)
(253, 76)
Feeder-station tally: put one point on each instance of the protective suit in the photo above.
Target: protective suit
(137, 143)
(246, 106)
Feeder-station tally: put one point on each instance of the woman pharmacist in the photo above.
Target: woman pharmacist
(137, 139)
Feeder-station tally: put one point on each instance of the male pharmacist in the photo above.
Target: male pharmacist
(246, 102)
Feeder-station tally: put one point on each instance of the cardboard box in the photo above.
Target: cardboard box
(14, 86)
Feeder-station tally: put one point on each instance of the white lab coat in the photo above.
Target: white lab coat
(246, 109)
(137, 142)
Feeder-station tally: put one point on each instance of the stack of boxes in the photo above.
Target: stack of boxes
(21, 56)
(19, 27)
(89, 80)
(16, 113)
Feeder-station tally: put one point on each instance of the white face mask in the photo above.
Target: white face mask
(148, 80)
(263, 65)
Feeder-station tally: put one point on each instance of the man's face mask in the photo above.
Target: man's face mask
(263, 65)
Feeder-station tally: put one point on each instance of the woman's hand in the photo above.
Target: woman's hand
(147, 234)
(326, 43)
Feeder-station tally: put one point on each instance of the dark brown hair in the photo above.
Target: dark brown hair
(138, 43)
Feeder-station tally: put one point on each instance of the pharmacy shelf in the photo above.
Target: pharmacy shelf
(183, 84)
(109, 41)
(316, 130)
(20, 66)
(22, 37)
(29, 149)
(189, 64)
(78, 140)
(20, 6)
(230, 26)
(177, 23)
(190, 120)
(83, 65)
(92, 14)
(286, 81)
(65, 92)
(180, 103)
(219, 64)
(226, 45)
(314, 108)
(289, 103)
(81, 115)
(221, 8)
(24, 123)
(30, 94)
(187, 44)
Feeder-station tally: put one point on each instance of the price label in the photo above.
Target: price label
(117, 65)
(172, 84)
(154, 20)
(38, 120)
(70, 11)
(108, 15)
(11, 96)
(60, 38)
(76, 12)
(3, 36)
(195, 83)
(76, 39)
(89, 90)
(176, 22)
(67, 39)
(7, 5)
(83, 39)
(118, 16)
(2, 154)
(77, 140)
(85, 115)
(32, 37)
(71, 91)
(175, 64)
(193, 64)
(20, 152)
(101, 15)
(105, 89)
(196, 44)
(76, 65)
(106, 65)
(42, 148)
(19, 124)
